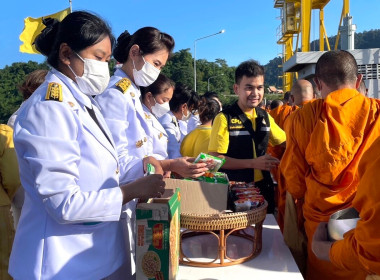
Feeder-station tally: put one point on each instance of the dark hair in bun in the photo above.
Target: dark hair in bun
(161, 85)
(208, 109)
(149, 39)
(79, 30)
(183, 95)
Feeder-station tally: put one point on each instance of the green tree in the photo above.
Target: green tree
(180, 68)
(10, 78)
(272, 72)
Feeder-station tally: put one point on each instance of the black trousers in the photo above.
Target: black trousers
(267, 190)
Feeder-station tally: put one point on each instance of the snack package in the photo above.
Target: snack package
(234, 185)
(217, 177)
(244, 196)
(246, 204)
(150, 169)
(213, 163)
(246, 191)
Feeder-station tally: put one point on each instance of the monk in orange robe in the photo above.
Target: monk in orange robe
(360, 248)
(280, 113)
(300, 94)
(286, 100)
(325, 142)
(275, 103)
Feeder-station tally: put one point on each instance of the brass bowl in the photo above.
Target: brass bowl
(342, 221)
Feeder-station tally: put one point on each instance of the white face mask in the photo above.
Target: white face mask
(160, 109)
(186, 117)
(95, 78)
(146, 75)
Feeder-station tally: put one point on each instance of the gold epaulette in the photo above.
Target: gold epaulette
(54, 92)
(123, 84)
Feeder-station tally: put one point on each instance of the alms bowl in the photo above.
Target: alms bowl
(342, 221)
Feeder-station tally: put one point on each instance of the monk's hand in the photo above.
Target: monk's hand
(320, 243)
(186, 167)
(265, 162)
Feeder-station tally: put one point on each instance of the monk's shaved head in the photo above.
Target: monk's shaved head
(286, 98)
(337, 68)
(276, 103)
(302, 91)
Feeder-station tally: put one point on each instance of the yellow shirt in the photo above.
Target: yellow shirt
(196, 142)
(9, 176)
(219, 140)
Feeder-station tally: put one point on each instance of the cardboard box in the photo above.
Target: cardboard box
(199, 197)
(157, 238)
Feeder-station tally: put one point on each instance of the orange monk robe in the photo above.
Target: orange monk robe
(280, 114)
(360, 249)
(325, 143)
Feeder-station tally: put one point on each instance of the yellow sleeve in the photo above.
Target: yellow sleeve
(277, 135)
(10, 178)
(219, 140)
(187, 145)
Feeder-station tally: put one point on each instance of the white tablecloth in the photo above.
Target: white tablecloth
(274, 262)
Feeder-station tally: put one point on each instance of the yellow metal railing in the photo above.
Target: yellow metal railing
(296, 21)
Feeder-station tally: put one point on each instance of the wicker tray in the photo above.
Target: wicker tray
(222, 226)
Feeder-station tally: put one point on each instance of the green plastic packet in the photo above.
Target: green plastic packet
(213, 163)
(150, 169)
(217, 178)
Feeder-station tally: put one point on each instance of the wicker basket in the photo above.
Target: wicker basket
(222, 226)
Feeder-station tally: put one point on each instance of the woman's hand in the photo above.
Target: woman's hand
(185, 167)
(156, 164)
(144, 188)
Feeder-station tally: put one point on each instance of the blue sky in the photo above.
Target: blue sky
(250, 26)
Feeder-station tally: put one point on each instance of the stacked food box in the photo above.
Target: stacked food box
(157, 238)
(244, 196)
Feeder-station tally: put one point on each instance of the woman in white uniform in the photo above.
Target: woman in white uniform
(155, 99)
(142, 55)
(184, 101)
(69, 226)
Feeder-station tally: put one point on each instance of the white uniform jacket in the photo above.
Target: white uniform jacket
(122, 109)
(69, 226)
(123, 112)
(183, 128)
(158, 135)
(170, 123)
(193, 122)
